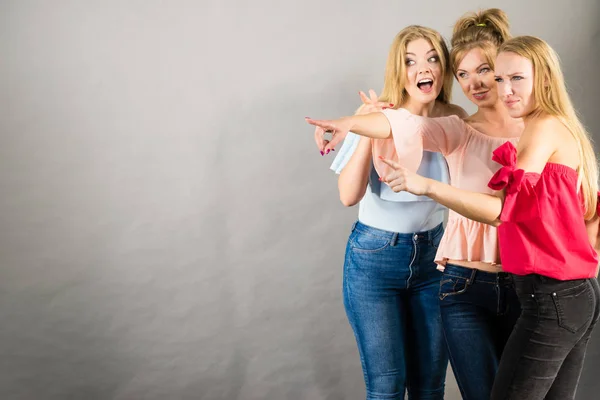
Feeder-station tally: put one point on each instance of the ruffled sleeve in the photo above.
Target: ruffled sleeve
(345, 152)
(520, 201)
(411, 134)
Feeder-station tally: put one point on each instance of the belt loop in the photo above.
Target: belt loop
(430, 234)
(354, 226)
(394, 239)
(472, 278)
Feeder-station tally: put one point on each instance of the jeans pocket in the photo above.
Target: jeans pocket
(363, 242)
(574, 307)
(453, 286)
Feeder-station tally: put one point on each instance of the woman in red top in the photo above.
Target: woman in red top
(546, 210)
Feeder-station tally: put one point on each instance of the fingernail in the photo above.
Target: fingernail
(307, 117)
(381, 157)
(380, 180)
(322, 153)
(384, 108)
(328, 151)
(332, 149)
(391, 105)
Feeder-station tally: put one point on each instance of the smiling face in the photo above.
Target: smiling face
(514, 77)
(476, 78)
(424, 79)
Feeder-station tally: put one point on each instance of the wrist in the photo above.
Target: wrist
(349, 122)
(430, 187)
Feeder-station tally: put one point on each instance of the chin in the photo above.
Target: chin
(516, 113)
(426, 98)
(482, 103)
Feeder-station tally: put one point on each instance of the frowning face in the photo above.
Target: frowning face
(514, 77)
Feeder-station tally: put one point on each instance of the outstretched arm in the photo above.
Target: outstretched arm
(535, 149)
(371, 104)
(481, 207)
(374, 125)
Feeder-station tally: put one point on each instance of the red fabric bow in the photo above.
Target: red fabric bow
(506, 177)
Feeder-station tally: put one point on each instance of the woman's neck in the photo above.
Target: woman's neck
(422, 109)
(495, 121)
(496, 115)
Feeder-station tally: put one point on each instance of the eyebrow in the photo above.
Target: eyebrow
(479, 66)
(513, 74)
(413, 54)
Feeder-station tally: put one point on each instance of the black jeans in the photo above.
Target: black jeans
(544, 355)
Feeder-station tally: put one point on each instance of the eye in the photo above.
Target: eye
(433, 59)
(462, 75)
(484, 71)
(517, 78)
(499, 80)
(410, 62)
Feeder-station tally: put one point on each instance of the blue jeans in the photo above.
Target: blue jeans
(391, 300)
(479, 310)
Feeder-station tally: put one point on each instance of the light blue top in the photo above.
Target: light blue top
(403, 212)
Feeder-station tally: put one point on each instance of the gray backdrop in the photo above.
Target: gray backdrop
(168, 227)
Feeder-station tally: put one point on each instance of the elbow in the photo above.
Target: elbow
(496, 223)
(349, 201)
(351, 198)
(351, 195)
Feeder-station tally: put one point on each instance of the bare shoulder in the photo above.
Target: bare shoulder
(547, 129)
(539, 143)
(546, 138)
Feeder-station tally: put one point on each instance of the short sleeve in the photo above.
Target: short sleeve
(345, 152)
(520, 200)
(412, 134)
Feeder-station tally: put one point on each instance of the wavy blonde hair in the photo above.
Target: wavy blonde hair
(485, 30)
(395, 71)
(551, 97)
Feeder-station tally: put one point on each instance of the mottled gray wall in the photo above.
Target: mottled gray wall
(168, 229)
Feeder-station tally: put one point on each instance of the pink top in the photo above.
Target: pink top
(543, 231)
(469, 156)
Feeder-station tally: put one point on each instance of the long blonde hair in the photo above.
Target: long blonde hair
(485, 30)
(395, 71)
(551, 97)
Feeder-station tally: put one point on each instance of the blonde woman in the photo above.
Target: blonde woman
(390, 281)
(546, 211)
(478, 303)
(479, 306)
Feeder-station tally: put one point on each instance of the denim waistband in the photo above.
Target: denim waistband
(534, 283)
(397, 237)
(474, 275)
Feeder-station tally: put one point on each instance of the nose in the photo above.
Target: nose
(475, 83)
(424, 69)
(504, 90)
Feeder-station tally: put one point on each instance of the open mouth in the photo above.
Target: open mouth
(425, 85)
